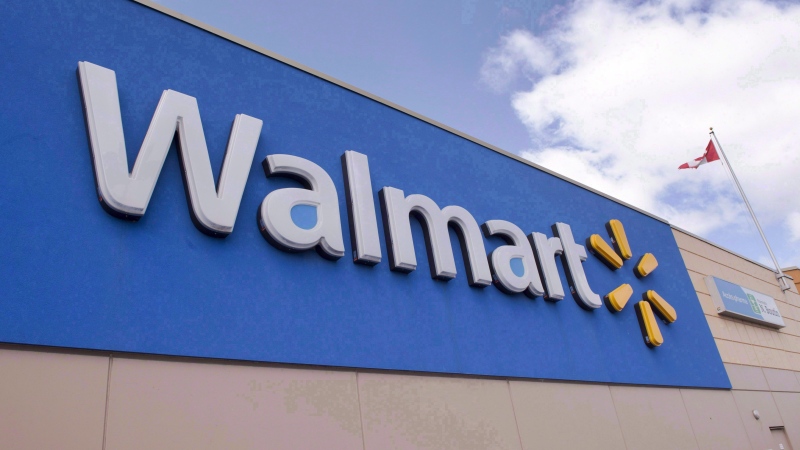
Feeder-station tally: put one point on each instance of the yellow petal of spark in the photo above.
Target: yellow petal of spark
(619, 238)
(646, 265)
(647, 322)
(618, 298)
(662, 308)
(599, 248)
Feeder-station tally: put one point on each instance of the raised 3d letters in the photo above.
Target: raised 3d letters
(546, 251)
(126, 194)
(573, 257)
(275, 213)
(361, 209)
(500, 259)
(214, 210)
(397, 208)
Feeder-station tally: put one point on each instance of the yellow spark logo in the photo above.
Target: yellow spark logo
(651, 304)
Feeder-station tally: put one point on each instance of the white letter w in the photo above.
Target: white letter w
(126, 194)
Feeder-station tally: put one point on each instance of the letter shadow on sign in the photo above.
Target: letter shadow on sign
(500, 240)
(462, 241)
(420, 226)
(103, 204)
(305, 184)
(176, 142)
(350, 215)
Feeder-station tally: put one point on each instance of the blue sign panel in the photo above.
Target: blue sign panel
(206, 273)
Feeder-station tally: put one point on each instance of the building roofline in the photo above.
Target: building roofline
(258, 49)
(771, 269)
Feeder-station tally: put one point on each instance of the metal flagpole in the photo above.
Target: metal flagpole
(783, 279)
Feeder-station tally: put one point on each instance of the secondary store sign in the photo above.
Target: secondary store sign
(344, 173)
(743, 303)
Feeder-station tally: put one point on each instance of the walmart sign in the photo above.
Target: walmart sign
(166, 136)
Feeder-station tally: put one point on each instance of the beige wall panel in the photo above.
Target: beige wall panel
(764, 337)
(789, 407)
(653, 418)
(794, 359)
(188, 405)
(792, 327)
(787, 310)
(728, 329)
(773, 338)
(791, 362)
(755, 335)
(699, 282)
(698, 247)
(737, 353)
(737, 330)
(430, 412)
(790, 343)
(561, 415)
(782, 380)
(769, 357)
(795, 314)
(793, 298)
(746, 377)
(705, 266)
(707, 304)
(718, 327)
(715, 420)
(770, 336)
(51, 400)
(758, 429)
(788, 359)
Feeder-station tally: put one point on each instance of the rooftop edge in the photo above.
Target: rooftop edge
(258, 49)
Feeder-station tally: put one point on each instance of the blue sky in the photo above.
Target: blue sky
(614, 94)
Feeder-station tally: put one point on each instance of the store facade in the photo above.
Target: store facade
(165, 293)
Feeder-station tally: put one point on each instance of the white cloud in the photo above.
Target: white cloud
(793, 222)
(518, 51)
(623, 92)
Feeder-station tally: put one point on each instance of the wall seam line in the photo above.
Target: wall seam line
(360, 415)
(691, 426)
(616, 414)
(741, 419)
(754, 345)
(777, 408)
(108, 392)
(514, 412)
(744, 427)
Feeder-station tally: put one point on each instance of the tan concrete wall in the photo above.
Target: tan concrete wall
(58, 400)
(190, 405)
(741, 342)
(763, 363)
(52, 399)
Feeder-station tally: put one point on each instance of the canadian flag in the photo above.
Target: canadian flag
(710, 155)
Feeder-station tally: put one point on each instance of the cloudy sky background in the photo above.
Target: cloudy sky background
(613, 94)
